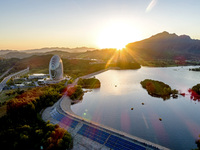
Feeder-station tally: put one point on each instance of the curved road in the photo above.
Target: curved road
(3, 82)
(5, 73)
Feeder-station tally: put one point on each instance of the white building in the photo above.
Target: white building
(38, 76)
(56, 68)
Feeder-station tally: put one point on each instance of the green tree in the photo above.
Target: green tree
(75, 92)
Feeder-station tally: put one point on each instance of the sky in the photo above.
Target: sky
(31, 24)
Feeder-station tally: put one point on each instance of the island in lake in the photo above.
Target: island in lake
(194, 69)
(158, 89)
(195, 92)
(90, 83)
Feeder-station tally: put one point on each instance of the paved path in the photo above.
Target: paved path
(61, 113)
(5, 73)
(3, 82)
(36, 83)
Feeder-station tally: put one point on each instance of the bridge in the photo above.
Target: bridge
(90, 135)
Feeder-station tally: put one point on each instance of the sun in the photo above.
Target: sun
(117, 35)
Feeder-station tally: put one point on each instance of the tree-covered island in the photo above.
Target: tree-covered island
(158, 89)
(194, 69)
(195, 92)
(90, 83)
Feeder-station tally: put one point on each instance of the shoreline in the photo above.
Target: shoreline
(89, 75)
(63, 107)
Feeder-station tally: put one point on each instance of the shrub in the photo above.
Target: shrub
(75, 92)
(23, 128)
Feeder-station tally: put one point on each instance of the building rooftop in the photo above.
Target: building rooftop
(39, 74)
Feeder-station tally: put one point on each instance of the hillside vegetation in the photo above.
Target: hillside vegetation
(5, 64)
(22, 127)
(75, 92)
(167, 46)
(75, 66)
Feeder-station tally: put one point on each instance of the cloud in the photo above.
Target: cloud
(151, 5)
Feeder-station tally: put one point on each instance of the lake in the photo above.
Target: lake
(121, 90)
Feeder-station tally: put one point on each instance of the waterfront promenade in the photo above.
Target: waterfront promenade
(90, 135)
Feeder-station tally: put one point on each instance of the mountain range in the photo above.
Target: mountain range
(42, 51)
(166, 45)
(160, 46)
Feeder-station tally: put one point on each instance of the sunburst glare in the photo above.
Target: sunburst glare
(117, 35)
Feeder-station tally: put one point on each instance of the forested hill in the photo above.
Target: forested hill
(166, 45)
(43, 51)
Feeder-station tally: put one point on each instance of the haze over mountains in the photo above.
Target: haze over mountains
(160, 46)
(27, 53)
(49, 49)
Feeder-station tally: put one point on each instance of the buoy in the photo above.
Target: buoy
(132, 108)
(160, 119)
(142, 103)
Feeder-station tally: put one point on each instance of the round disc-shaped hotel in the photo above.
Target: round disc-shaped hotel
(56, 68)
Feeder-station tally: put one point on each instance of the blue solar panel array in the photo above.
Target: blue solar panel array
(102, 137)
(69, 122)
(66, 120)
(118, 143)
(58, 116)
(113, 142)
(94, 134)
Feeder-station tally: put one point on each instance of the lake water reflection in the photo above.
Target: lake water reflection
(121, 90)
